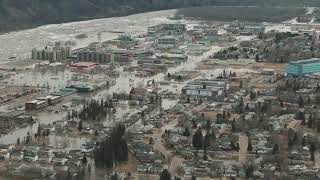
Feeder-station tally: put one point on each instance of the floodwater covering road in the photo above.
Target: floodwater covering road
(20, 43)
(122, 85)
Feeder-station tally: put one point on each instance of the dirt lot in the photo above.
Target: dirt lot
(260, 66)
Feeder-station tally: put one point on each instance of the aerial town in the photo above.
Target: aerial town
(181, 100)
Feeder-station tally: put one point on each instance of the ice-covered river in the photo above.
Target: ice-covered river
(19, 44)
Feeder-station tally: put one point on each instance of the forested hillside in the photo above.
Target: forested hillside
(253, 14)
(19, 14)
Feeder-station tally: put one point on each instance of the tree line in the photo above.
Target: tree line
(113, 149)
(92, 110)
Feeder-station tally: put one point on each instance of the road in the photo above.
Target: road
(158, 145)
(243, 143)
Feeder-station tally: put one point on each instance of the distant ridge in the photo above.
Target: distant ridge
(22, 14)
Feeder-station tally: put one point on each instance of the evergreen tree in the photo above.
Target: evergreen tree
(206, 141)
(257, 58)
(68, 115)
(114, 149)
(312, 149)
(301, 102)
(151, 140)
(114, 176)
(249, 171)
(188, 99)
(318, 126)
(186, 132)
(205, 155)
(241, 102)
(249, 148)
(233, 125)
(310, 121)
(165, 175)
(291, 137)
(197, 139)
(194, 124)
(84, 159)
(193, 177)
(208, 124)
(281, 104)
(303, 141)
(80, 126)
(241, 84)
(252, 95)
(275, 149)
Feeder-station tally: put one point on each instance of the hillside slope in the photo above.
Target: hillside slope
(20, 14)
(253, 14)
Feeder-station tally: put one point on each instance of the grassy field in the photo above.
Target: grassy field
(254, 14)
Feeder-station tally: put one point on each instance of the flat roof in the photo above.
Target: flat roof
(306, 61)
(36, 101)
(84, 63)
(167, 37)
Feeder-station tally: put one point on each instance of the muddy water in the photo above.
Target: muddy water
(20, 43)
(122, 85)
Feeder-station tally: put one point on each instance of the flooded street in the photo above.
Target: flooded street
(19, 44)
(154, 95)
(53, 78)
(122, 85)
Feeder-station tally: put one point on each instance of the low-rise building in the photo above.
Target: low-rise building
(36, 104)
(167, 27)
(303, 67)
(206, 88)
(167, 41)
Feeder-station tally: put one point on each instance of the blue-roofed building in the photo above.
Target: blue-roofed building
(303, 67)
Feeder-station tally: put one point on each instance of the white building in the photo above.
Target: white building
(206, 88)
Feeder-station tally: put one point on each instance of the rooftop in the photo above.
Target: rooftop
(306, 61)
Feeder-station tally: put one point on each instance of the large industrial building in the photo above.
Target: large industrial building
(303, 67)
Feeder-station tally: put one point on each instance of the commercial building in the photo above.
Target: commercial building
(167, 27)
(124, 41)
(110, 56)
(93, 56)
(205, 87)
(52, 53)
(303, 67)
(36, 104)
(167, 41)
(52, 99)
(244, 27)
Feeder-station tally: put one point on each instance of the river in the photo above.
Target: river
(20, 43)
